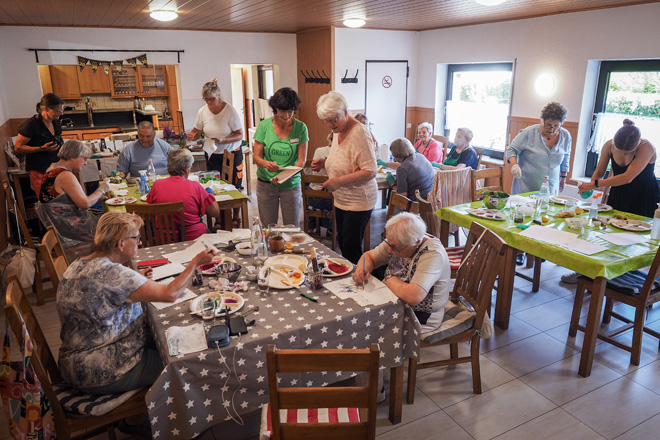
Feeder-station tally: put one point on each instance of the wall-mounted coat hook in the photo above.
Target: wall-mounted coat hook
(318, 77)
(353, 80)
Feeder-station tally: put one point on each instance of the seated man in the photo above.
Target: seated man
(136, 155)
(417, 268)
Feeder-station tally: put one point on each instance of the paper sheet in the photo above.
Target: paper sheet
(187, 254)
(167, 270)
(562, 238)
(222, 237)
(223, 197)
(185, 296)
(374, 293)
(115, 186)
(121, 192)
(184, 340)
(624, 238)
(209, 146)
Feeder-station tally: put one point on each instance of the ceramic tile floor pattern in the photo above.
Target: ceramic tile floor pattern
(531, 389)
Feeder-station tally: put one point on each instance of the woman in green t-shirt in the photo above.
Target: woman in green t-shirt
(280, 141)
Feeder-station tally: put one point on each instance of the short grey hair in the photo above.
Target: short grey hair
(406, 228)
(73, 149)
(362, 115)
(146, 125)
(466, 132)
(330, 105)
(178, 160)
(401, 148)
(426, 125)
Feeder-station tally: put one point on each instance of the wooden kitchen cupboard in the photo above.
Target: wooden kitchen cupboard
(153, 81)
(123, 83)
(65, 82)
(93, 82)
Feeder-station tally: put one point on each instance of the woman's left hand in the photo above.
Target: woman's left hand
(331, 185)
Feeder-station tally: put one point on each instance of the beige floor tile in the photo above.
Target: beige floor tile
(648, 376)
(548, 315)
(530, 354)
(648, 429)
(517, 331)
(615, 407)
(524, 298)
(450, 385)
(560, 333)
(423, 407)
(561, 383)
(499, 410)
(428, 428)
(554, 425)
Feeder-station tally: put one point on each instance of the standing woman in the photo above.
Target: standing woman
(40, 138)
(541, 150)
(280, 141)
(221, 122)
(351, 167)
(634, 186)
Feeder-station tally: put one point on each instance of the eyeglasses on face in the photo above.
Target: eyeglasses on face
(210, 99)
(137, 238)
(395, 249)
(330, 121)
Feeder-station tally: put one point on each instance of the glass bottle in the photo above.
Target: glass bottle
(544, 195)
(151, 172)
(655, 229)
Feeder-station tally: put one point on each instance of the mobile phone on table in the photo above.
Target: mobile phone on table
(237, 326)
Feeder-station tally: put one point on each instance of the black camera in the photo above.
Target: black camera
(58, 140)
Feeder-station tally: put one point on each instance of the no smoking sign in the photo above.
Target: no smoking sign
(387, 81)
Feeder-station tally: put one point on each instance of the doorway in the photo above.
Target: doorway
(252, 85)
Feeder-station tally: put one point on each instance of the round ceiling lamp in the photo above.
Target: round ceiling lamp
(163, 15)
(354, 22)
(545, 84)
(490, 2)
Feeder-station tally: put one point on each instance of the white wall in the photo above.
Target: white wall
(353, 47)
(207, 55)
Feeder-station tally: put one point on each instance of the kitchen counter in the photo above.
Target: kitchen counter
(123, 120)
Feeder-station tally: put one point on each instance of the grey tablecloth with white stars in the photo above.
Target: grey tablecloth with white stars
(201, 389)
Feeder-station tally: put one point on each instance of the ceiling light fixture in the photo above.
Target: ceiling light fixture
(545, 84)
(490, 2)
(163, 15)
(354, 22)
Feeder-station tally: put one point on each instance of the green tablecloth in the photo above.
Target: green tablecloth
(614, 261)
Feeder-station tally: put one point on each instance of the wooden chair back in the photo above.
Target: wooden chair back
(164, 223)
(52, 254)
(427, 214)
(13, 209)
(444, 145)
(486, 173)
(480, 154)
(227, 171)
(401, 202)
(307, 193)
(301, 361)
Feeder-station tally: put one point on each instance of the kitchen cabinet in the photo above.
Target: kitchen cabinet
(153, 81)
(93, 82)
(123, 83)
(145, 82)
(65, 81)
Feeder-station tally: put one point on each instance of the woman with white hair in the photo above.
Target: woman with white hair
(196, 200)
(426, 145)
(415, 172)
(461, 154)
(417, 268)
(351, 167)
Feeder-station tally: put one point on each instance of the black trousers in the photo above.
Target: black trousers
(214, 162)
(350, 232)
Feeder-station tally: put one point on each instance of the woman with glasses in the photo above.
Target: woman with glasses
(280, 141)
(40, 137)
(461, 154)
(351, 167)
(222, 123)
(416, 268)
(541, 150)
(106, 347)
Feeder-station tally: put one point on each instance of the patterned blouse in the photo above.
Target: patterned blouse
(103, 336)
(48, 192)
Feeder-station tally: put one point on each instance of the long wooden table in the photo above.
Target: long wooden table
(608, 264)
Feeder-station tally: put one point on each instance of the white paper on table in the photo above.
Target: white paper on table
(187, 254)
(624, 238)
(223, 197)
(209, 146)
(562, 238)
(585, 247)
(184, 340)
(167, 270)
(116, 186)
(374, 292)
(223, 237)
(512, 200)
(121, 192)
(186, 295)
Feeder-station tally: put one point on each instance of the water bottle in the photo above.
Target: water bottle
(655, 229)
(255, 238)
(143, 187)
(593, 208)
(544, 195)
(151, 173)
(262, 251)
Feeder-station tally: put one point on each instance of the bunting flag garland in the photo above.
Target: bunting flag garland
(95, 65)
(143, 59)
(118, 64)
(132, 62)
(81, 62)
(106, 66)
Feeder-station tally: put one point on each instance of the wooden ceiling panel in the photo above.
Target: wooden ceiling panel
(288, 16)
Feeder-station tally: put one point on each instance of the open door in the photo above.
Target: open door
(238, 95)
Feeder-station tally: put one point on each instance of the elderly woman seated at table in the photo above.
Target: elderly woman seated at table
(415, 172)
(417, 268)
(461, 154)
(196, 201)
(63, 203)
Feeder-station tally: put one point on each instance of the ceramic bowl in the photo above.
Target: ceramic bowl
(244, 248)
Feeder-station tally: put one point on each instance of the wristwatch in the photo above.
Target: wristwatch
(596, 183)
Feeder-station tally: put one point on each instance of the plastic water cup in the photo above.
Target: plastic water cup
(585, 195)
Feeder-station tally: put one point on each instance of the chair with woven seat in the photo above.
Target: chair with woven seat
(309, 212)
(52, 254)
(466, 310)
(164, 223)
(73, 410)
(636, 289)
(345, 421)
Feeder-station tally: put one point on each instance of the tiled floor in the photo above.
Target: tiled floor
(531, 389)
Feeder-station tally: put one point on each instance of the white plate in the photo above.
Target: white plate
(289, 259)
(601, 206)
(144, 198)
(327, 272)
(209, 269)
(487, 214)
(281, 273)
(297, 238)
(229, 300)
(630, 225)
(561, 200)
(121, 200)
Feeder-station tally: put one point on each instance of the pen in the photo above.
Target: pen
(364, 273)
(309, 297)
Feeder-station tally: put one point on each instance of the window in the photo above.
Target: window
(266, 80)
(478, 97)
(626, 89)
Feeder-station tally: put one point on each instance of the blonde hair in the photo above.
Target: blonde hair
(331, 104)
(211, 88)
(112, 227)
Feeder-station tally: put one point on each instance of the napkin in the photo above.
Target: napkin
(184, 340)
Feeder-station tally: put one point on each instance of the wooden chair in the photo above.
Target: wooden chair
(226, 174)
(482, 260)
(307, 193)
(450, 187)
(161, 225)
(399, 203)
(480, 154)
(227, 171)
(622, 289)
(427, 214)
(291, 398)
(53, 256)
(486, 173)
(18, 311)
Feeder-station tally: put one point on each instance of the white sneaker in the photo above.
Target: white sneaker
(570, 278)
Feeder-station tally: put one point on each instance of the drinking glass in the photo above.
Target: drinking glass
(263, 279)
(518, 214)
(570, 206)
(208, 314)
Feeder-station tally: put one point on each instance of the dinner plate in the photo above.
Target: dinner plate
(292, 260)
(561, 200)
(335, 267)
(229, 300)
(209, 269)
(488, 214)
(120, 201)
(144, 198)
(283, 274)
(297, 237)
(630, 225)
(601, 206)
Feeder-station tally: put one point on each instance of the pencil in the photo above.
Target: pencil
(309, 297)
